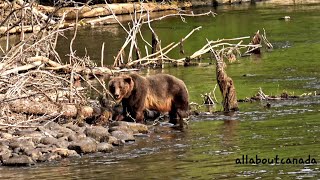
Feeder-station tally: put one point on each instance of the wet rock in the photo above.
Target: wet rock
(48, 157)
(98, 133)
(123, 126)
(66, 152)
(48, 140)
(22, 160)
(5, 152)
(114, 141)
(104, 147)
(140, 135)
(35, 154)
(123, 136)
(87, 145)
(15, 143)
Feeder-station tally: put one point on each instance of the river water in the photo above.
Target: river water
(213, 144)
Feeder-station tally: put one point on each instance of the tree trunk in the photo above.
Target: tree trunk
(227, 88)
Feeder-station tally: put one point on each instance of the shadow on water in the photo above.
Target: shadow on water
(209, 148)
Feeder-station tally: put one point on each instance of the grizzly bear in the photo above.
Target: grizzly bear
(161, 92)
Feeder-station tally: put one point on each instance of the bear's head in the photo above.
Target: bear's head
(121, 87)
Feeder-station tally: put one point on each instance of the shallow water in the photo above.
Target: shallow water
(209, 148)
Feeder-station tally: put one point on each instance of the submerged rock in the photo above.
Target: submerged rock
(22, 160)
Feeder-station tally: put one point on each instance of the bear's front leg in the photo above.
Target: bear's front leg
(139, 116)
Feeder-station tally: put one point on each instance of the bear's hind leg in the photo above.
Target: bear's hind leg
(173, 116)
(182, 114)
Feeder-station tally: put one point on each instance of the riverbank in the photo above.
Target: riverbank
(51, 141)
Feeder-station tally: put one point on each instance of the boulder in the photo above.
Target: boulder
(87, 145)
(123, 135)
(114, 141)
(5, 153)
(65, 152)
(124, 126)
(17, 143)
(104, 147)
(48, 140)
(98, 133)
(22, 160)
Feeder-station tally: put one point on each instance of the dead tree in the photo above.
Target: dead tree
(226, 85)
(256, 40)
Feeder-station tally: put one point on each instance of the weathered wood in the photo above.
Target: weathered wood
(123, 8)
(41, 108)
(227, 88)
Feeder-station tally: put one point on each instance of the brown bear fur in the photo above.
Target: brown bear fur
(161, 92)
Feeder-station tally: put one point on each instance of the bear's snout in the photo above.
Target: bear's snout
(116, 96)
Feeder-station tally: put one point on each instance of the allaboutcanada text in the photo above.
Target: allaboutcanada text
(245, 159)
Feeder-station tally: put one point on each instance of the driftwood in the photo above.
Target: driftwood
(123, 8)
(226, 85)
(49, 108)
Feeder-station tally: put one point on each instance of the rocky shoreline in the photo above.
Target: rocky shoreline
(53, 142)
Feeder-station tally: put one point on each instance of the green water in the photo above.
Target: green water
(211, 145)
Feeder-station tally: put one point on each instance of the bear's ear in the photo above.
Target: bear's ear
(128, 79)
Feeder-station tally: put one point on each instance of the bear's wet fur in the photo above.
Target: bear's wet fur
(161, 92)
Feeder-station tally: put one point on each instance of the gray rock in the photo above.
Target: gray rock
(48, 157)
(15, 143)
(48, 140)
(123, 136)
(114, 141)
(4, 135)
(104, 147)
(44, 148)
(61, 131)
(124, 126)
(35, 154)
(98, 133)
(47, 132)
(22, 160)
(87, 145)
(62, 143)
(5, 152)
(66, 152)
(74, 127)
(76, 137)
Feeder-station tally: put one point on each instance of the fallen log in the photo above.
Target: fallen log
(123, 8)
(49, 108)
